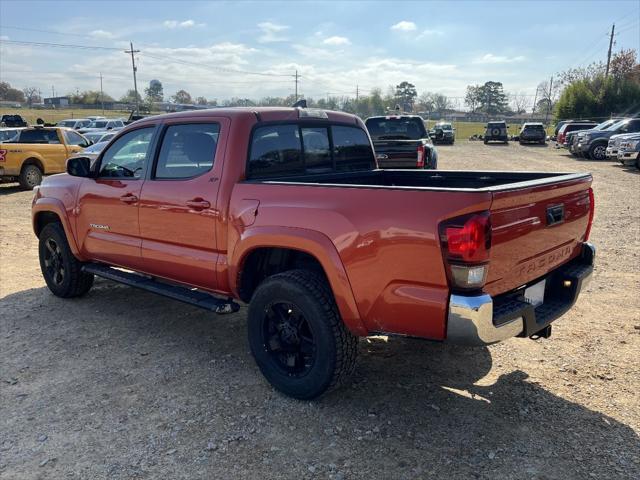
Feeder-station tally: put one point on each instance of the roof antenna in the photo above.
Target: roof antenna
(302, 103)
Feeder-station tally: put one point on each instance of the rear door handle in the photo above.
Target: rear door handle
(129, 198)
(198, 204)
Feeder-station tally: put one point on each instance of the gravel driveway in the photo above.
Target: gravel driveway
(124, 384)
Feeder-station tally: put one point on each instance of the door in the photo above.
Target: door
(107, 222)
(49, 145)
(178, 205)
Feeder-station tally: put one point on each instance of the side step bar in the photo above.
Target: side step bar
(177, 292)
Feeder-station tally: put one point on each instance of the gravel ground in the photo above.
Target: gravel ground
(124, 384)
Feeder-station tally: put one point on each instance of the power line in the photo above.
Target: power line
(58, 45)
(28, 29)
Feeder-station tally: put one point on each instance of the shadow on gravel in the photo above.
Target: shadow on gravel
(9, 189)
(121, 360)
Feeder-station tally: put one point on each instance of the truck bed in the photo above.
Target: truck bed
(456, 180)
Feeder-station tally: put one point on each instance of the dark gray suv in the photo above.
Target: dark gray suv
(593, 143)
(496, 132)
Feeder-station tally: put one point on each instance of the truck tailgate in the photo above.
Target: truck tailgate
(536, 229)
(396, 153)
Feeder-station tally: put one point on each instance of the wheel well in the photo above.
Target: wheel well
(45, 218)
(33, 161)
(265, 262)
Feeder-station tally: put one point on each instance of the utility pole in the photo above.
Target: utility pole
(53, 91)
(613, 29)
(357, 94)
(546, 116)
(135, 69)
(296, 76)
(535, 100)
(101, 94)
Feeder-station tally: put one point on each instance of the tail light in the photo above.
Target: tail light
(592, 206)
(466, 243)
(561, 137)
(420, 161)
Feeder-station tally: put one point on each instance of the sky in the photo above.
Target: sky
(253, 49)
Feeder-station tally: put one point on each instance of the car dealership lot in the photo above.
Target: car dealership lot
(125, 384)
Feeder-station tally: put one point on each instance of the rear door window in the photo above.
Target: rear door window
(39, 136)
(187, 150)
(275, 150)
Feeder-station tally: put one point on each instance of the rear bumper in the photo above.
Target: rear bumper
(483, 320)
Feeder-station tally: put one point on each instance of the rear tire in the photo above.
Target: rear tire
(30, 177)
(297, 337)
(61, 270)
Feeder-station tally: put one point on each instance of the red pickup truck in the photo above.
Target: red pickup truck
(285, 209)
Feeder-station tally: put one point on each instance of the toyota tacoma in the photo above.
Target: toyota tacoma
(286, 209)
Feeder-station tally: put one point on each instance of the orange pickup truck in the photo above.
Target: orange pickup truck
(38, 151)
(285, 209)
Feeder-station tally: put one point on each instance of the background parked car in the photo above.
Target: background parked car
(91, 152)
(496, 132)
(615, 141)
(98, 137)
(13, 120)
(593, 144)
(532, 133)
(572, 127)
(103, 124)
(571, 137)
(629, 152)
(75, 123)
(443, 133)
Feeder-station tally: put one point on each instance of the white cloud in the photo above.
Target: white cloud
(429, 33)
(184, 24)
(4, 37)
(101, 34)
(491, 58)
(313, 52)
(404, 26)
(335, 40)
(271, 32)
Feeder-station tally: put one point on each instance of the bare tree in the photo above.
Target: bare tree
(520, 102)
(31, 95)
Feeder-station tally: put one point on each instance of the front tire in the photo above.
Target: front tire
(297, 337)
(61, 270)
(598, 151)
(30, 177)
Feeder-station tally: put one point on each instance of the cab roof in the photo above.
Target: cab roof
(262, 114)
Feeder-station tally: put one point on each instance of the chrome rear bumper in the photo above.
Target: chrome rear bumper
(471, 319)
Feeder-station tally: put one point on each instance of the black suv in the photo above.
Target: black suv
(496, 132)
(443, 132)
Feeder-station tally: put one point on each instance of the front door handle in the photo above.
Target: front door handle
(129, 198)
(198, 204)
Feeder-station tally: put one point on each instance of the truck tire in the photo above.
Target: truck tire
(297, 337)
(30, 176)
(61, 270)
(598, 151)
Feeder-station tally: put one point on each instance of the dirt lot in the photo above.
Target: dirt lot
(124, 384)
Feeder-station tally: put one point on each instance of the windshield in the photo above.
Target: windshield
(616, 126)
(606, 124)
(443, 126)
(98, 124)
(398, 128)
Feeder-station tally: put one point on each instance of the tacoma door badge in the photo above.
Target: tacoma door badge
(99, 227)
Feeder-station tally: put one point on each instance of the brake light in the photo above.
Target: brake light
(420, 161)
(592, 207)
(466, 243)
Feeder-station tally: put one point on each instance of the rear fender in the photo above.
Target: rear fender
(313, 243)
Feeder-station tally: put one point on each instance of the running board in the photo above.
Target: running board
(194, 297)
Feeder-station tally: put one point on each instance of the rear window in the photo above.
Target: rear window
(396, 128)
(284, 150)
(38, 136)
(534, 127)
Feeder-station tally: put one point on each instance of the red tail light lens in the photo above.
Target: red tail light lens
(468, 238)
(592, 207)
(420, 162)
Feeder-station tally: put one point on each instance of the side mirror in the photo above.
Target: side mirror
(79, 166)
